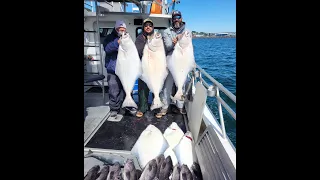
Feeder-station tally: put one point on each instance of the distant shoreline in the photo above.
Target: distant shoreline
(213, 37)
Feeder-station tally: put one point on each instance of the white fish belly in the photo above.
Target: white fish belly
(154, 69)
(173, 135)
(128, 68)
(149, 145)
(180, 63)
(184, 152)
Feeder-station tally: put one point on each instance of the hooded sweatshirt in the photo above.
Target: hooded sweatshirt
(141, 41)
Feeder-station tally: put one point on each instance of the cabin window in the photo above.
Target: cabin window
(105, 31)
(156, 29)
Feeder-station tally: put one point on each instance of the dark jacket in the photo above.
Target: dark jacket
(140, 42)
(110, 46)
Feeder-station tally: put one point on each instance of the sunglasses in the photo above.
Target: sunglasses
(148, 24)
(176, 17)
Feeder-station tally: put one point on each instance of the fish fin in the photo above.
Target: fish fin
(129, 102)
(156, 104)
(89, 153)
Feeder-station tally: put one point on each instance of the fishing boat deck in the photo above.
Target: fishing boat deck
(122, 135)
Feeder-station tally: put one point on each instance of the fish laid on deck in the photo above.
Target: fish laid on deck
(109, 160)
(150, 171)
(129, 171)
(160, 159)
(185, 173)
(173, 135)
(128, 67)
(196, 171)
(184, 150)
(176, 173)
(114, 172)
(149, 145)
(166, 169)
(103, 173)
(92, 173)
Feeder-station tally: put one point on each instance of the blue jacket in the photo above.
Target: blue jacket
(110, 46)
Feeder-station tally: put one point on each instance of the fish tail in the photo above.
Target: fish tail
(129, 102)
(156, 103)
(89, 153)
(178, 95)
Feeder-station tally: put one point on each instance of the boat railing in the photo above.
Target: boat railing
(214, 91)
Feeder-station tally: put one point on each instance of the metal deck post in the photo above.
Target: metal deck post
(100, 53)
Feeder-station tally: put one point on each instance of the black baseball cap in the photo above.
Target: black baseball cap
(176, 13)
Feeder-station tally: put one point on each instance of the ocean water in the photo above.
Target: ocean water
(217, 56)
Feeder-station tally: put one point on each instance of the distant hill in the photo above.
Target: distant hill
(220, 34)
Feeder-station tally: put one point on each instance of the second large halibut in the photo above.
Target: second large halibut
(154, 67)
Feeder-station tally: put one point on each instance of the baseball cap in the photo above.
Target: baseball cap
(147, 20)
(176, 13)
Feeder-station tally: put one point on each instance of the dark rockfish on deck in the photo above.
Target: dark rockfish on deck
(138, 173)
(166, 169)
(129, 171)
(196, 171)
(160, 159)
(176, 173)
(114, 172)
(150, 170)
(185, 173)
(109, 160)
(103, 173)
(92, 173)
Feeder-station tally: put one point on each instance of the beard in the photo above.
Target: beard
(177, 25)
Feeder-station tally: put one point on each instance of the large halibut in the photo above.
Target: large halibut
(128, 67)
(154, 67)
(181, 62)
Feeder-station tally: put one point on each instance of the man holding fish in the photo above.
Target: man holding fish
(170, 37)
(143, 90)
(111, 46)
(157, 60)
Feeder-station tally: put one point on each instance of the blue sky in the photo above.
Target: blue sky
(211, 16)
(208, 16)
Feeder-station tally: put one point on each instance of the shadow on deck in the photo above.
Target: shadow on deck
(122, 135)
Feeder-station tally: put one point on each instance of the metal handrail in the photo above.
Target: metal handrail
(222, 88)
(217, 87)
